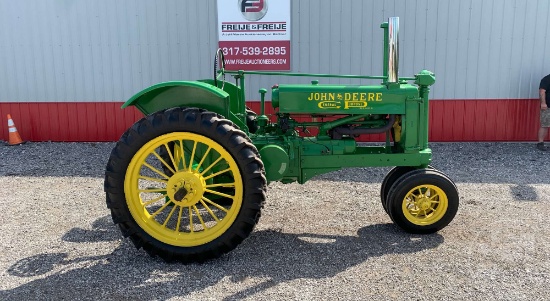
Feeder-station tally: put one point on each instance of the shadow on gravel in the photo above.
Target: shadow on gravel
(524, 193)
(126, 274)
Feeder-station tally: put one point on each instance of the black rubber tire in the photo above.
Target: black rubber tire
(390, 179)
(415, 178)
(210, 125)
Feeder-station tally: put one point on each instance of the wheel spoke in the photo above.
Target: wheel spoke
(200, 218)
(182, 155)
(217, 174)
(203, 157)
(220, 194)
(169, 216)
(154, 190)
(209, 211)
(156, 170)
(179, 219)
(215, 205)
(171, 156)
(147, 203)
(159, 210)
(428, 192)
(190, 219)
(153, 179)
(211, 165)
(192, 155)
(164, 162)
(224, 185)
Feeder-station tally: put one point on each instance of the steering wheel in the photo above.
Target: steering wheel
(219, 68)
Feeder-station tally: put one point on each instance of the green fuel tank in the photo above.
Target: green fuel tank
(340, 99)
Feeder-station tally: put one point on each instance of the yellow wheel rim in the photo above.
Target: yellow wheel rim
(171, 185)
(425, 205)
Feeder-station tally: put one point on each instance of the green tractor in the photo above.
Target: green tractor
(187, 182)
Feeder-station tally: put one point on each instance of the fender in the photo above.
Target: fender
(181, 94)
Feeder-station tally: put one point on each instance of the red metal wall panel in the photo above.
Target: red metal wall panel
(450, 120)
(484, 120)
(87, 121)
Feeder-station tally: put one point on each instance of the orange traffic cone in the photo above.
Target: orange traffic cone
(14, 138)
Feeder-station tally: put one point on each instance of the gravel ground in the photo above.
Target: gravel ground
(326, 239)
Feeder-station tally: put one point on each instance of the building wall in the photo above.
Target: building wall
(76, 61)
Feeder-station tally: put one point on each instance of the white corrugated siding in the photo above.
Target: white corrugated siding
(68, 50)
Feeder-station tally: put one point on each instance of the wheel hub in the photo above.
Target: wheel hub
(423, 203)
(186, 188)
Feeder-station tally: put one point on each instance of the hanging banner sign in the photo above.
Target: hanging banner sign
(255, 34)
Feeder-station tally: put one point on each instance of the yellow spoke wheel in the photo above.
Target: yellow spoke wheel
(422, 201)
(185, 184)
(185, 217)
(425, 205)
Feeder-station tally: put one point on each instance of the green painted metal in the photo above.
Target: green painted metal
(425, 79)
(320, 156)
(276, 161)
(155, 97)
(333, 99)
(180, 93)
(201, 94)
(312, 156)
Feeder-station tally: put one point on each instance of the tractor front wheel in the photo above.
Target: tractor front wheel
(390, 178)
(422, 201)
(167, 172)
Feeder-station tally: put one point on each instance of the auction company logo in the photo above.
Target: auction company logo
(253, 10)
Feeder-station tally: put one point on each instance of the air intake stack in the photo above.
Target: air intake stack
(393, 50)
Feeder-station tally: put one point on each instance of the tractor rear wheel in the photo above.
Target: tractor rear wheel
(174, 214)
(422, 201)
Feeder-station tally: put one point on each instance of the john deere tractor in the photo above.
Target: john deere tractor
(187, 182)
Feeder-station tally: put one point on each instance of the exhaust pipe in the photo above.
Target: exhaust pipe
(393, 50)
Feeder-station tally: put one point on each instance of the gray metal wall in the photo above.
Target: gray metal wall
(101, 50)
